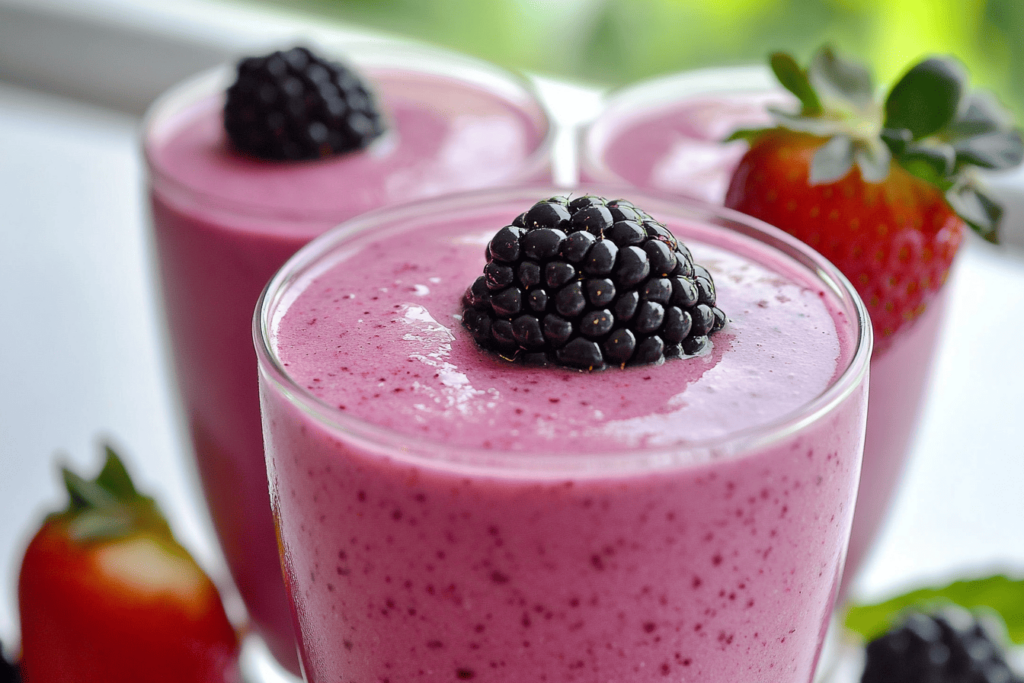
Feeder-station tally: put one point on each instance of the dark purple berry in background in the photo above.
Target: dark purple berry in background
(589, 283)
(8, 672)
(295, 105)
(950, 646)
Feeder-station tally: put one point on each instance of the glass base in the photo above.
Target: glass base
(259, 666)
(842, 660)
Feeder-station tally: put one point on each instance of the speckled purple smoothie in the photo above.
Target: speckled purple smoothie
(224, 223)
(446, 515)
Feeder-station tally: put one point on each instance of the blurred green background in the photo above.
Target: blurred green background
(612, 42)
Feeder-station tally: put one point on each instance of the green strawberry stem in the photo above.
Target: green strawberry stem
(931, 124)
(109, 507)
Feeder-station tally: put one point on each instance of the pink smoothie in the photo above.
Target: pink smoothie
(446, 515)
(674, 144)
(225, 223)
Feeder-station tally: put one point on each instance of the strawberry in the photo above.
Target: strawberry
(106, 594)
(884, 191)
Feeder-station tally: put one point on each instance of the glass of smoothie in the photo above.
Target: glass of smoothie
(447, 514)
(666, 135)
(225, 221)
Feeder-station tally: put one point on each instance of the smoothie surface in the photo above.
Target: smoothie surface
(443, 135)
(377, 336)
(680, 147)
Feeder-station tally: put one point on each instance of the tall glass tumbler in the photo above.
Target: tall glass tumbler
(667, 134)
(445, 514)
(224, 222)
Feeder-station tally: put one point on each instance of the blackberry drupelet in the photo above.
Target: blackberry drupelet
(294, 105)
(590, 283)
(947, 647)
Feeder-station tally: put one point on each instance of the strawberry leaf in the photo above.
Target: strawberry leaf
(96, 525)
(114, 477)
(896, 139)
(983, 114)
(977, 209)
(109, 506)
(748, 134)
(85, 495)
(996, 150)
(872, 158)
(932, 162)
(927, 98)
(841, 84)
(794, 79)
(999, 593)
(832, 161)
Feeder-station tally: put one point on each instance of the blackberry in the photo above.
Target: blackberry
(8, 672)
(590, 283)
(948, 647)
(294, 105)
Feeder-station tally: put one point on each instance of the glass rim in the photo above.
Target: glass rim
(649, 95)
(435, 454)
(367, 55)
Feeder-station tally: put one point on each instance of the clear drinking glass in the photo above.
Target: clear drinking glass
(666, 134)
(224, 223)
(438, 522)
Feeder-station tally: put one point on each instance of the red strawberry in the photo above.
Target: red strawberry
(106, 594)
(884, 192)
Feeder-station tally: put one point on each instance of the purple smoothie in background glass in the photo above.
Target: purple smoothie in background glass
(225, 222)
(447, 515)
(666, 135)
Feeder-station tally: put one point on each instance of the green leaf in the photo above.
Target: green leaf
(996, 150)
(983, 114)
(814, 125)
(832, 161)
(97, 525)
(86, 495)
(999, 593)
(748, 134)
(115, 479)
(979, 210)
(896, 139)
(840, 82)
(931, 162)
(872, 157)
(109, 505)
(927, 98)
(794, 79)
